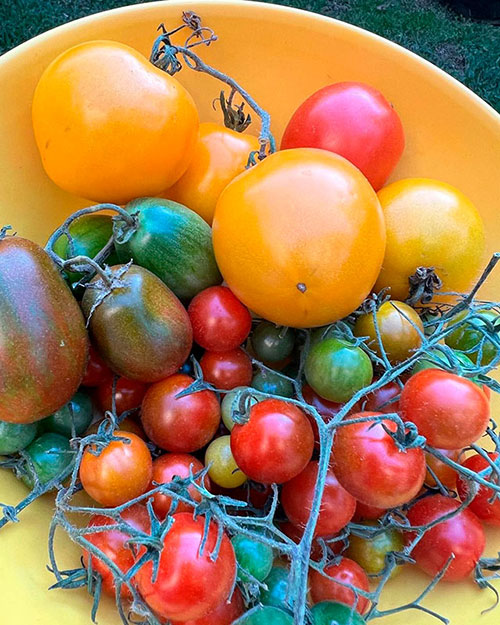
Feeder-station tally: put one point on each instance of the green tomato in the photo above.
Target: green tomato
(50, 455)
(272, 383)
(277, 587)
(253, 557)
(272, 343)
(328, 612)
(467, 336)
(370, 553)
(227, 406)
(336, 369)
(77, 414)
(16, 436)
(266, 615)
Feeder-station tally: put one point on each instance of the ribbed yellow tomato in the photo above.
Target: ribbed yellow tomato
(300, 237)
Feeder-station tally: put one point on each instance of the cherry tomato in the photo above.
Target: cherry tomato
(227, 370)
(327, 409)
(130, 138)
(50, 454)
(255, 559)
(223, 469)
(299, 263)
(445, 474)
(220, 321)
(370, 466)
(370, 553)
(72, 419)
(461, 535)
(128, 395)
(272, 383)
(400, 328)
(467, 336)
(180, 424)
(189, 585)
(275, 444)
(382, 400)
(225, 614)
(113, 543)
(328, 612)
(354, 120)
(165, 468)
(122, 471)
(429, 224)
(16, 436)
(272, 343)
(276, 593)
(97, 372)
(337, 505)
(450, 411)
(227, 407)
(482, 506)
(265, 615)
(364, 512)
(327, 589)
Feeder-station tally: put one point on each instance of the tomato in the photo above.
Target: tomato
(272, 383)
(272, 343)
(225, 614)
(461, 535)
(429, 224)
(43, 342)
(328, 612)
(97, 372)
(122, 471)
(227, 370)
(223, 469)
(384, 399)
(364, 512)
(450, 411)
(482, 506)
(128, 395)
(219, 155)
(255, 559)
(189, 585)
(182, 424)
(327, 589)
(445, 474)
(275, 445)
(227, 407)
(113, 543)
(327, 409)
(109, 125)
(140, 328)
(337, 370)
(72, 419)
(220, 322)
(354, 120)
(467, 336)
(300, 263)
(337, 505)
(276, 591)
(400, 328)
(265, 615)
(370, 553)
(370, 466)
(49, 454)
(16, 436)
(168, 466)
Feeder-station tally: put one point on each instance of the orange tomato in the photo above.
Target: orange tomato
(431, 224)
(110, 126)
(219, 156)
(300, 237)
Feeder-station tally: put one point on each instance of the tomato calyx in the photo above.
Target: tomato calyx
(4, 232)
(423, 285)
(235, 117)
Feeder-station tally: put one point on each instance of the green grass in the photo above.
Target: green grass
(468, 50)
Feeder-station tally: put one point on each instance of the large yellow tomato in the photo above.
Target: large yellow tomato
(219, 156)
(430, 224)
(300, 237)
(110, 126)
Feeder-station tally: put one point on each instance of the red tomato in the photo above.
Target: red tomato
(337, 505)
(381, 399)
(189, 585)
(129, 394)
(275, 444)
(227, 370)
(182, 424)
(445, 474)
(97, 371)
(461, 535)
(165, 468)
(354, 120)
(450, 411)
(369, 465)
(347, 571)
(369, 513)
(225, 614)
(113, 544)
(220, 321)
(327, 409)
(486, 510)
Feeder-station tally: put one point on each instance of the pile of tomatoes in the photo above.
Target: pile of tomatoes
(228, 349)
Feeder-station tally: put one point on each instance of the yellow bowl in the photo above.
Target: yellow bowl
(281, 56)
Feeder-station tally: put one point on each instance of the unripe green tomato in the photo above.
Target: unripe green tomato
(272, 383)
(16, 436)
(272, 343)
(253, 557)
(73, 418)
(50, 454)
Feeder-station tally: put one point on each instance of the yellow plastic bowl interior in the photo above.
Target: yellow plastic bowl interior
(281, 56)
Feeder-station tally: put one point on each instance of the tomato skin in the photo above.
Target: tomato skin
(72, 419)
(225, 614)
(467, 336)
(183, 588)
(445, 474)
(255, 559)
(50, 454)
(223, 469)
(348, 571)
(370, 466)
(113, 544)
(183, 424)
(462, 535)
(299, 264)
(140, 329)
(219, 155)
(97, 371)
(227, 370)
(278, 426)
(277, 587)
(370, 553)
(121, 472)
(327, 409)
(382, 399)
(220, 321)
(364, 512)
(328, 612)
(481, 506)
(112, 140)
(354, 120)
(450, 411)
(128, 395)
(16, 436)
(272, 383)
(337, 505)
(272, 343)
(43, 341)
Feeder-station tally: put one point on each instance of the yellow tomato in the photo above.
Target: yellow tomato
(223, 469)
